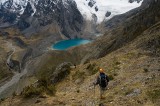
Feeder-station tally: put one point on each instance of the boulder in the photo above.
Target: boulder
(61, 72)
(135, 92)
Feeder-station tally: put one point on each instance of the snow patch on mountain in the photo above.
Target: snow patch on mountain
(101, 7)
(18, 6)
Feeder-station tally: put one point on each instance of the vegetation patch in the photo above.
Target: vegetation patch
(154, 95)
(92, 69)
(128, 91)
(145, 70)
(4, 72)
(130, 55)
(78, 74)
(111, 77)
(115, 66)
(78, 91)
(45, 73)
(51, 90)
(31, 91)
(1, 48)
(2, 99)
(41, 88)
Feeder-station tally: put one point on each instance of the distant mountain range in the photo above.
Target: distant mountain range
(70, 16)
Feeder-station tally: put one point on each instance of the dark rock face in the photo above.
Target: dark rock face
(28, 54)
(96, 8)
(5, 35)
(131, 1)
(15, 65)
(91, 3)
(61, 71)
(19, 42)
(94, 17)
(43, 13)
(22, 24)
(108, 14)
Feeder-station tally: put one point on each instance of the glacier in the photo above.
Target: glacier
(114, 6)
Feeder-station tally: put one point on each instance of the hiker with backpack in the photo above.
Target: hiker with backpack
(102, 80)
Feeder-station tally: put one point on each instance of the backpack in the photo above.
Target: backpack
(103, 81)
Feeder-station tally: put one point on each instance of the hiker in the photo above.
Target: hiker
(75, 65)
(102, 80)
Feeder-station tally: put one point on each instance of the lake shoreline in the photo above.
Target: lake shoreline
(66, 44)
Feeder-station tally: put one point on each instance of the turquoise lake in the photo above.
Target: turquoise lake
(65, 44)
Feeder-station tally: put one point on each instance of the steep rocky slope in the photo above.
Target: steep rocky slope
(122, 29)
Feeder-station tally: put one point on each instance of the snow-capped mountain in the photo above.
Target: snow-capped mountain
(105, 9)
(17, 6)
(69, 15)
(31, 16)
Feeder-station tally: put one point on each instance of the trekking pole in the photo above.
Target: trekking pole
(94, 91)
(94, 103)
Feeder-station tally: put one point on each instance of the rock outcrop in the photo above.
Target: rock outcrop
(61, 72)
(131, 1)
(19, 42)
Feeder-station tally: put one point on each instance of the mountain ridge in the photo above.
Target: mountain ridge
(71, 23)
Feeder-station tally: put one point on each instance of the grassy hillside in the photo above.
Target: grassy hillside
(133, 70)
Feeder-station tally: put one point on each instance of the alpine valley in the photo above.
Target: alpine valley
(120, 36)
